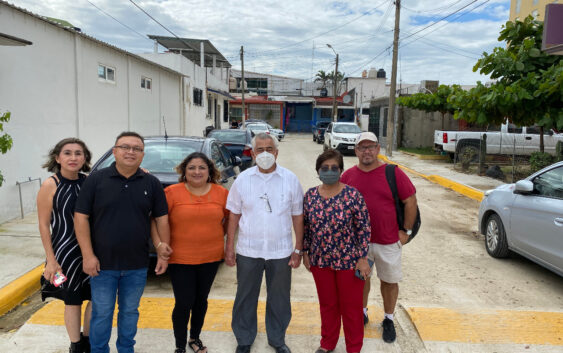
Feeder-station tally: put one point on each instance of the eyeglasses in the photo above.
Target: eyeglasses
(127, 148)
(326, 168)
(367, 148)
(267, 202)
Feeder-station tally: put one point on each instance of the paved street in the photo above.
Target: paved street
(454, 296)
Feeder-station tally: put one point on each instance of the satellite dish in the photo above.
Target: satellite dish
(347, 99)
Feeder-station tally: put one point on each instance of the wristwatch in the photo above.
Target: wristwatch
(408, 231)
(298, 252)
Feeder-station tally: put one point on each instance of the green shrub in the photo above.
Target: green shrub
(540, 160)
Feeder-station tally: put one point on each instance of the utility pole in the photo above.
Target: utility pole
(334, 88)
(242, 82)
(393, 88)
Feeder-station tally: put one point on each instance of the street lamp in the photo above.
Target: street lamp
(335, 84)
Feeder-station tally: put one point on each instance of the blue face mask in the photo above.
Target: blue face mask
(329, 177)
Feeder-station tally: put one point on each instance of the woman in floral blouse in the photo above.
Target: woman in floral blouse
(337, 233)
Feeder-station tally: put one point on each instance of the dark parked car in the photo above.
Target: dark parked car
(238, 142)
(162, 155)
(319, 131)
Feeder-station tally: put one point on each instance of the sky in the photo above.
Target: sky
(439, 40)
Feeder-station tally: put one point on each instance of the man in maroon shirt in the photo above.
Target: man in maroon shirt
(387, 237)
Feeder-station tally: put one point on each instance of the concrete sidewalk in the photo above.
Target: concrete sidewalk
(22, 256)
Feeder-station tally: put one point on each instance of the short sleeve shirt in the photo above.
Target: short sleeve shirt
(266, 203)
(120, 211)
(376, 192)
(196, 224)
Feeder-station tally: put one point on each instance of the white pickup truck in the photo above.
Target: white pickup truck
(507, 139)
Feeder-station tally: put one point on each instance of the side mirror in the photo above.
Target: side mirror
(523, 187)
(237, 161)
(550, 133)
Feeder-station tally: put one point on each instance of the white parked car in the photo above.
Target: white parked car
(341, 136)
(527, 218)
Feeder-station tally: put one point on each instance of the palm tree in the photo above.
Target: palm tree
(323, 77)
(339, 79)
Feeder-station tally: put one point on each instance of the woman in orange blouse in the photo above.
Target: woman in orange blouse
(198, 219)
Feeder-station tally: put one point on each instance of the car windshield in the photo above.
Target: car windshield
(257, 127)
(322, 125)
(229, 136)
(348, 128)
(162, 156)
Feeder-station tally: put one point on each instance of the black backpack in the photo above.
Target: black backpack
(399, 205)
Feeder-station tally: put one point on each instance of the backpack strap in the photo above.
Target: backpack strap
(392, 181)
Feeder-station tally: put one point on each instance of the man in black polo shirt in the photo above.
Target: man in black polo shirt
(112, 222)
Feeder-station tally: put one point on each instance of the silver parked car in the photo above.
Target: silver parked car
(527, 218)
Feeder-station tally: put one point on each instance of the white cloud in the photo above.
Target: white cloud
(278, 36)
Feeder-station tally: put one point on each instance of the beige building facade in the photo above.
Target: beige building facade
(520, 9)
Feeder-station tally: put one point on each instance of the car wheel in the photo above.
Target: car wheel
(495, 237)
(314, 138)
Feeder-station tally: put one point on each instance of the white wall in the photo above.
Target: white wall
(367, 88)
(52, 90)
(197, 117)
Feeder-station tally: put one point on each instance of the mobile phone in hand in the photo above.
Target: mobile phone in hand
(59, 279)
(359, 275)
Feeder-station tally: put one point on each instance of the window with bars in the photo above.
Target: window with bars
(198, 96)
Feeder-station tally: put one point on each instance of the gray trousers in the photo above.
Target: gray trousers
(278, 306)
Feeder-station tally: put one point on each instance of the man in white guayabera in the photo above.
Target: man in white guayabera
(265, 202)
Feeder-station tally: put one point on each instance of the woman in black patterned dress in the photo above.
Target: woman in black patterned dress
(55, 209)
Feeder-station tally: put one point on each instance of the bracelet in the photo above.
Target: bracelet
(159, 244)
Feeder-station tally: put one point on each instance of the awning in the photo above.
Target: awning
(223, 93)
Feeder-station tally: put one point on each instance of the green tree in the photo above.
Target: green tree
(432, 102)
(527, 87)
(339, 79)
(323, 77)
(5, 139)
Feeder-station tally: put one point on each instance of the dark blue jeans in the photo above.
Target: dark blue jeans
(128, 287)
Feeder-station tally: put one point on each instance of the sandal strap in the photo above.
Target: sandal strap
(198, 343)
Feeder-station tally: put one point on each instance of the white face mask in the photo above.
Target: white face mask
(265, 160)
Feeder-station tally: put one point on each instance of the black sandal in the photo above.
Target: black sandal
(197, 342)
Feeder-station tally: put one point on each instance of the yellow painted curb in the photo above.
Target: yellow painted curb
(157, 312)
(462, 189)
(20, 289)
(432, 157)
(465, 190)
(488, 326)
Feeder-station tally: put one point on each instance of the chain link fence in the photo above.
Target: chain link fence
(506, 158)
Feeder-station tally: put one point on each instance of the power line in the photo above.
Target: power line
(433, 10)
(372, 59)
(444, 25)
(161, 25)
(440, 20)
(115, 19)
(323, 33)
(154, 19)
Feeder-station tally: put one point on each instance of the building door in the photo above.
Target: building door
(300, 117)
(373, 125)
